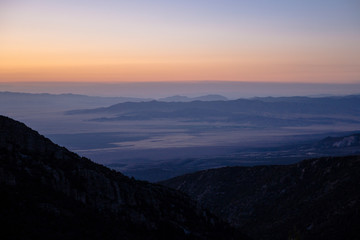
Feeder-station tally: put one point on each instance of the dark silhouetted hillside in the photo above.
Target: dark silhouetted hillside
(48, 192)
(314, 199)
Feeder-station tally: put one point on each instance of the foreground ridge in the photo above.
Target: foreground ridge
(50, 192)
(313, 199)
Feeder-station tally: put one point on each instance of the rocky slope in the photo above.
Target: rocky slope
(314, 199)
(48, 192)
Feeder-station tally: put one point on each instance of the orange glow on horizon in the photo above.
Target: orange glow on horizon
(248, 65)
(122, 42)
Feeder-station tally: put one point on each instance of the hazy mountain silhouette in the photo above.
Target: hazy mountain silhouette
(339, 142)
(272, 112)
(179, 98)
(57, 102)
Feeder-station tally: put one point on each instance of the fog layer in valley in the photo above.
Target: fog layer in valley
(155, 140)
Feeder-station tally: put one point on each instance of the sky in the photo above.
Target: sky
(307, 41)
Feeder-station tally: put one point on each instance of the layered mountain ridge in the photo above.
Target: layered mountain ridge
(260, 112)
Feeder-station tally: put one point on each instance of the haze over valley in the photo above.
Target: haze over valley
(158, 139)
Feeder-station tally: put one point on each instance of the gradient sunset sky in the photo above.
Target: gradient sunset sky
(188, 40)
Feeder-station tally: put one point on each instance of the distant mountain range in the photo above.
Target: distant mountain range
(58, 102)
(273, 112)
(313, 199)
(73, 101)
(179, 98)
(48, 192)
(339, 142)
